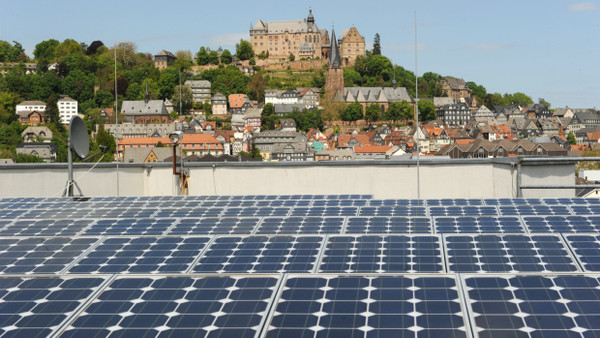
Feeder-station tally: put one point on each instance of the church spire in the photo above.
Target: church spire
(335, 61)
(146, 94)
(311, 18)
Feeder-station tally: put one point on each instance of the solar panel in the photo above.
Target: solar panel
(378, 254)
(535, 306)
(453, 202)
(587, 250)
(463, 211)
(215, 306)
(507, 253)
(562, 223)
(141, 255)
(130, 226)
(189, 212)
(212, 226)
(512, 201)
(255, 212)
(471, 224)
(585, 209)
(376, 306)
(340, 203)
(300, 225)
(266, 254)
(37, 307)
(44, 227)
(324, 211)
(395, 202)
(392, 211)
(40, 255)
(534, 210)
(387, 225)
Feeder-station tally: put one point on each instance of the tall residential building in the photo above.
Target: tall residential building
(67, 108)
(200, 90)
(352, 44)
(302, 38)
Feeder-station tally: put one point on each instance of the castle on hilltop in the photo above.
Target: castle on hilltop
(303, 39)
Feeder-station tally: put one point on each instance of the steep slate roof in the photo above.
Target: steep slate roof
(455, 83)
(373, 94)
(153, 107)
(165, 53)
(335, 60)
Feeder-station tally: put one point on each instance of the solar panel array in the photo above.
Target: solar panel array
(299, 265)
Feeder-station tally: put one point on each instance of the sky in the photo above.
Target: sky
(544, 48)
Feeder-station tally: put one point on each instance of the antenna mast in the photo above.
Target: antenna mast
(417, 115)
(116, 120)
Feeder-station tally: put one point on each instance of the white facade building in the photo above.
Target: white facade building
(30, 106)
(67, 108)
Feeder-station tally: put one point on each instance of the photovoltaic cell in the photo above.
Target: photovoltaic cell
(261, 254)
(388, 225)
(535, 306)
(502, 224)
(130, 226)
(512, 201)
(230, 306)
(189, 212)
(453, 202)
(37, 307)
(507, 253)
(40, 255)
(46, 227)
(255, 212)
(394, 202)
(378, 254)
(562, 223)
(300, 225)
(463, 211)
(212, 226)
(340, 203)
(324, 211)
(586, 209)
(357, 306)
(507, 210)
(392, 211)
(141, 255)
(586, 249)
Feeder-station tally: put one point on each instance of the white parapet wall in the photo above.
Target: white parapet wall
(400, 179)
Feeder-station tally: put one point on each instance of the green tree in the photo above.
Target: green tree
(426, 110)
(268, 117)
(478, 91)
(291, 57)
(169, 78)
(202, 57)
(187, 99)
(256, 87)
(544, 102)
(226, 57)
(28, 158)
(571, 138)
(377, 44)
(372, 113)
(244, 50)
(45, 50)
(351, 77)
(406, 111)
(353, 112)
(106, 139)
(52, 114)
(228, 80)
(79, 85)
(517, 98)
(12, 53)
(213, 57)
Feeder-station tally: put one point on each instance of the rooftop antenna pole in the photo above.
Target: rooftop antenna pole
(417, 115)
(116, 120)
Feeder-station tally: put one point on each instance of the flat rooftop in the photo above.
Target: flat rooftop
(299, 265)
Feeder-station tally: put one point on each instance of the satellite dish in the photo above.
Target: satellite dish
(80, 141)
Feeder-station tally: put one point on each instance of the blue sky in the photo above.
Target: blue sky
(548, 49)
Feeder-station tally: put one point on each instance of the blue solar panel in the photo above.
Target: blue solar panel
(586, 209)
(324, 211)
(388, 253)
(387, 225)
(300, 225)
(43, 227)
(141, 255)
(512, 201)
(254, 254)
(562, 223)
(340, 203)
(397, 202)
(130, 226)
(189, 212)
(357, 306)
(392, 211)
(39, 255)
(453, 202)
(214, 306)
(535, 306)
(212, 226)
(463, 211)
(587, 250)
(37, 307)
(501, 224)
(569, 201)
(534, 210)
(255, 212)
(507, 253)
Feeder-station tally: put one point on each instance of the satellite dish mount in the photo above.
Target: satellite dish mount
(79, 142)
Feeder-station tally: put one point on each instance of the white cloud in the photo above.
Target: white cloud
(489, 46)
(582, 7)
(227, 39)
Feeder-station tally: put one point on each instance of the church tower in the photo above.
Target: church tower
(334, 81)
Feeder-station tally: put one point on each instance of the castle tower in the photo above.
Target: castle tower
(334, 81)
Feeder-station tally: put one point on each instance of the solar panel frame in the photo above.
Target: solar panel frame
(562, 223)
(392, 225)
(477, 224)
(214, 226)
(304, 226)
(586, 250)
